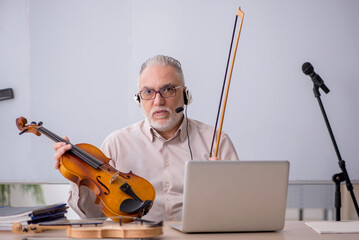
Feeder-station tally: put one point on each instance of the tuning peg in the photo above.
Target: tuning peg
(40, 123)
(34, 123)
(23, 131)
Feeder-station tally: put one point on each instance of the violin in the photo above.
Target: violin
(96, 229)
(117, 193)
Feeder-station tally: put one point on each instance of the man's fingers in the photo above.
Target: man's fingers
(60, 148)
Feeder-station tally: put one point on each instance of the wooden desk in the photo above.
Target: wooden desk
(293, 230)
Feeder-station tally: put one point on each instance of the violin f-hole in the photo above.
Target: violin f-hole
(103, 185)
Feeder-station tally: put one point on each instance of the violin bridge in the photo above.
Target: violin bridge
(114, 177)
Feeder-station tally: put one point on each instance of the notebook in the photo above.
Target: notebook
(234, 196)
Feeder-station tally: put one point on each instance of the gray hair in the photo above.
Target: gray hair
(161, 60)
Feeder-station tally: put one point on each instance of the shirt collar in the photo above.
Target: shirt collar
(151, 133)
(147, 130)
(183, 128)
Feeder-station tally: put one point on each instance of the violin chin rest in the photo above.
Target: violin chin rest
(132, 206)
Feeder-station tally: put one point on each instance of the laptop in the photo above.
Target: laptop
(234, 196)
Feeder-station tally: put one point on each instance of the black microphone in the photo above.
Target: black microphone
(179, 109)
(308, 69)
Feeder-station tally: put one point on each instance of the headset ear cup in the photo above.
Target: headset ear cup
(187, 97)
(137, 99)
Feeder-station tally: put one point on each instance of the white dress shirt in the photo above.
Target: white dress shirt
(140, 149)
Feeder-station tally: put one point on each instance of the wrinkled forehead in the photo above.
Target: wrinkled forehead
(158, 76)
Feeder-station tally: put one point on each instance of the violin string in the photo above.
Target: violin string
(51, 135)
(88, 158)
(56, 138)
(102, 220)
(121, 181)
(135, 219)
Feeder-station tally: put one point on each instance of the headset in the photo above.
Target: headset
(187, 99)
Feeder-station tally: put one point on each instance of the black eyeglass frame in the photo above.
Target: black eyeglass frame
(159, 92)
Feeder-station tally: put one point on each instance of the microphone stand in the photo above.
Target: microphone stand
(343, 175)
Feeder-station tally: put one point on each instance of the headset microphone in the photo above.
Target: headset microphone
(179, 109)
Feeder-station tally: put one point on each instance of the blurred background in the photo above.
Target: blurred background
(74, 65)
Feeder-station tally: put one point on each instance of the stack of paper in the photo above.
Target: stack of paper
(27, 215)
(335, 227)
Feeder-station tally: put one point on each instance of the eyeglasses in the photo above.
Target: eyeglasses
(165, 92)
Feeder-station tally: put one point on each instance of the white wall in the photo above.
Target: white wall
(14, 73)
(74, 64)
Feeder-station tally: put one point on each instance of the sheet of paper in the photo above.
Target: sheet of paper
(335, 227)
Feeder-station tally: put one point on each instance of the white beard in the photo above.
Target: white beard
(168, 124)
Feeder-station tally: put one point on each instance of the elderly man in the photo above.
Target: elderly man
(157, 147)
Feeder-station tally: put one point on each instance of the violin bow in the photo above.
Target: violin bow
(241, 15)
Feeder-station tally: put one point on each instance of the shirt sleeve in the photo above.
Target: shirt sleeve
(226, 149)
(82, 201)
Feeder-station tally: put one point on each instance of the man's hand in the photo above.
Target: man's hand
(214, 158)
(60, 148)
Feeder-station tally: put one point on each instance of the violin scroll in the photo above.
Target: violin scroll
(32, 128)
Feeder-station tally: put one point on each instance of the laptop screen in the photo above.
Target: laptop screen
(232, 196)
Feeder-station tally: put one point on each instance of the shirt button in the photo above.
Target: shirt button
(167, 184)
(167, 164)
